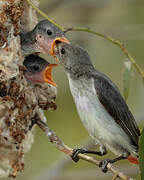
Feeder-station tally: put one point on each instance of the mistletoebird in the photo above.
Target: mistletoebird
(38, 70)
(101, 108)
(42, 38)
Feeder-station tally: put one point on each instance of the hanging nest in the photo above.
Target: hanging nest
(20, 101)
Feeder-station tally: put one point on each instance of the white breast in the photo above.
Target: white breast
(100, 125)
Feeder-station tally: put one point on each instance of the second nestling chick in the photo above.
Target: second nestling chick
(38, 70)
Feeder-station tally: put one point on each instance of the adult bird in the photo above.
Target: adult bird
(38, 70)
(42, 38)
(101, 108)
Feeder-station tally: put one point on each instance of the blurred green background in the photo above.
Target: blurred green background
(123, 20)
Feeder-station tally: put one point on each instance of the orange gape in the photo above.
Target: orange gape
(48, 74)
(133, 160)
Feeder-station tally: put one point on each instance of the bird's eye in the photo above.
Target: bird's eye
(36, 68)
(62, 51)
(49, 32)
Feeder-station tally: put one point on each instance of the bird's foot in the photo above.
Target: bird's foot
(103, 164)
(74, 156)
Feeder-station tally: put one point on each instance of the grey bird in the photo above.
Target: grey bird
(42, 38)
(101, 107)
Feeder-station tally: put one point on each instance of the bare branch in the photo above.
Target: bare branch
(116, 42)
(57, 169)
(68, 151)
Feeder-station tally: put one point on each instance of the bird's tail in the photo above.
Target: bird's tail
(133, 160)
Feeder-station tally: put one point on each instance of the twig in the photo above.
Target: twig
(57, 168)
(65, 149)
(44, 15)
(116, 42)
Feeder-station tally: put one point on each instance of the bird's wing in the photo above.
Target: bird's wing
(114, 103)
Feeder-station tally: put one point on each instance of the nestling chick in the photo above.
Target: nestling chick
(38, 70)
(42, 38)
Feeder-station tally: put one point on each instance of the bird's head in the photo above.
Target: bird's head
(42, 38)
(47, 34)
(72, 57)
(38, 70)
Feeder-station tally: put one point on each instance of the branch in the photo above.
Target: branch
(114, 41)
(68, 151)
(55, 171)
(57, 168)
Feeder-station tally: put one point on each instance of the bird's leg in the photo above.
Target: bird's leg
(75, 158)
(103, 164)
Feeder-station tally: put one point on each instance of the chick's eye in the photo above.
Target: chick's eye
(49, 32)
(62, 51)
(36, 68)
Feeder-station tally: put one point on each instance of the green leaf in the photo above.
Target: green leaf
(126, 78)
(141, 154)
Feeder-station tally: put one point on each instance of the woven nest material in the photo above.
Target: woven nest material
(20, 100)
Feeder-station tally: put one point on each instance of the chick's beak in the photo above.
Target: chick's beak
(48, 74)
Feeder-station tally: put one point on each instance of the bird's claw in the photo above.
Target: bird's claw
(74, 156)
(103, 164)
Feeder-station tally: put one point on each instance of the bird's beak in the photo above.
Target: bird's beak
(48, 74)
